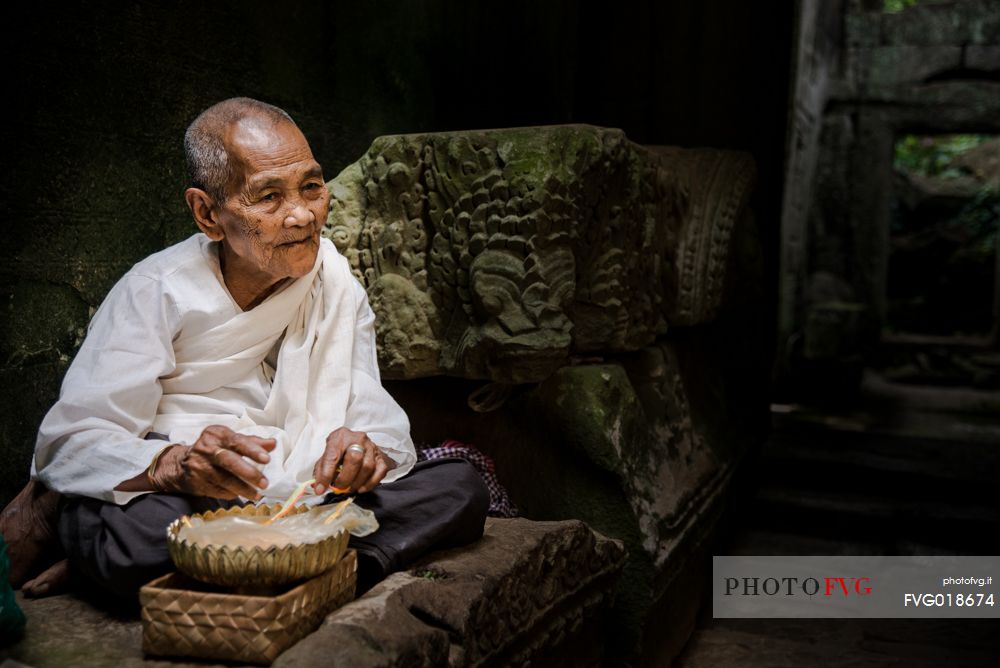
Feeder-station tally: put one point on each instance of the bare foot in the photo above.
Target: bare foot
(28, 525)
(54, 580)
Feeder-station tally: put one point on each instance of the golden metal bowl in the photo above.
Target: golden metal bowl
(254, 566)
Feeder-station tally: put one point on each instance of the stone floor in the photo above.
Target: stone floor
(870, 643)
(527, 592)
(910, 472)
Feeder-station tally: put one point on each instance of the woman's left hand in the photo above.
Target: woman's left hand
(351, 462)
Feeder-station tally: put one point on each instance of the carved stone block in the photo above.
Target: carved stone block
(561, 256)
(497, 254)
(528, 592)
(638, 428)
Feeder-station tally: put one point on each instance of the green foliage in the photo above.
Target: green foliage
(943, 257)
(11, 617)
(897, 5)
(980, 218)
(431, 574)
(932, 155)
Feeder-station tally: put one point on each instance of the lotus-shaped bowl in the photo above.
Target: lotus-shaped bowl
(253, 566)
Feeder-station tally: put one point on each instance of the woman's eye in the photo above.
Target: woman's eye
(311, 186)
(270, 197)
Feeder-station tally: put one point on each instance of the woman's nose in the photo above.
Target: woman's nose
(299, 215)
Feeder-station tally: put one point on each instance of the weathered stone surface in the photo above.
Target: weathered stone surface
(983, 162)
(376, 630)
(832, 330)
(26, 392)
(982, 58)
(930, 70)
(861, 29)
(643, 448)
(718, 186)
(953, 105)
(950, 105)
(869, 643)
(66, 631)
(636, 425)
(814, 63)
(640, 445)
(916, 190)
(528, 591)
(495, 254)
(929, 23)
(901, 64)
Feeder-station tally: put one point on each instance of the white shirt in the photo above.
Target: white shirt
(93, 437)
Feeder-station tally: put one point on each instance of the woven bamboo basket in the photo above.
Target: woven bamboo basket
(181, 617)
(253, 567)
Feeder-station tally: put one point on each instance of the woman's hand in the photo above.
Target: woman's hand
(214, 465)
(350, 462)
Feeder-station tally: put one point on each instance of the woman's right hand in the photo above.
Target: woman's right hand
(214, 465)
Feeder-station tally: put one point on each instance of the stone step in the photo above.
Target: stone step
(896, 480)
(862, 477)
(866, 643)
(971, 528)
(831, 488)
(528, 591)
(814, 448)
(978, 425)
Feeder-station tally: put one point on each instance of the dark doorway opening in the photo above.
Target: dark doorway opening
(943, 237)
(942, 308)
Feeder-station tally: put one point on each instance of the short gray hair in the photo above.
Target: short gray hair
(204, 141)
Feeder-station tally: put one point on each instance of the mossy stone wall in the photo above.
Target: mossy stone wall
(98, 95)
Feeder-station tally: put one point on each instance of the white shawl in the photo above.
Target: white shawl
(312, 384)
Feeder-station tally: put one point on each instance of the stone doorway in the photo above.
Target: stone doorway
(906, 75)
(942, 313)
(942, 255)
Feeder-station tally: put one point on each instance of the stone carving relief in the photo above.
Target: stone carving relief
(718, 185)
(497, 254)
(633, 419)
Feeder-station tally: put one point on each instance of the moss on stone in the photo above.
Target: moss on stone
(50, 322)
(597, 411)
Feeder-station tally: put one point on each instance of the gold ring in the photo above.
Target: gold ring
(355, 447)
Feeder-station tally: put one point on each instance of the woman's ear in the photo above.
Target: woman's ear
(203, 209)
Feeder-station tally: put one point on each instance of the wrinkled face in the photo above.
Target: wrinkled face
(277, 204)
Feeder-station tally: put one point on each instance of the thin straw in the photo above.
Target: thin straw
(338, 510)
(290, 502)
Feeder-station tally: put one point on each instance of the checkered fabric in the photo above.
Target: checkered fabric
(500, 503)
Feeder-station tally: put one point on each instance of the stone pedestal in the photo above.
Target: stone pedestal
(530, 592)
(611, 293)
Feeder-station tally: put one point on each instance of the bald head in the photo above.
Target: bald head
(209, 165)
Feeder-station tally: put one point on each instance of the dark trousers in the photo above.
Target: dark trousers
(441, 503)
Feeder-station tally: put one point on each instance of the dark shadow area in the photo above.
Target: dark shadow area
(95, 175)
(886, 421)
(895, 475)
(943, 237)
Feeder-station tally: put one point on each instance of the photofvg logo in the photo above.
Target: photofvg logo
(789, 586)
(837, 586)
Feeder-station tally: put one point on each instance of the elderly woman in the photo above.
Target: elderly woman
(232, 366)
